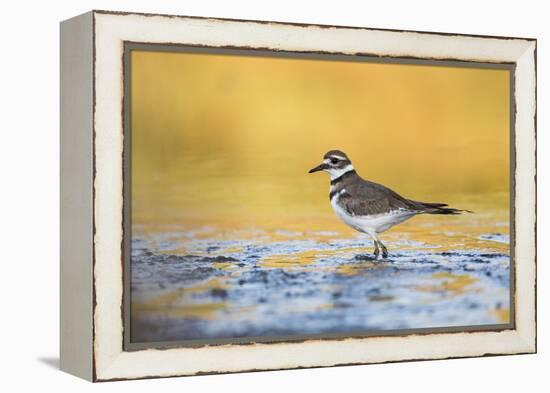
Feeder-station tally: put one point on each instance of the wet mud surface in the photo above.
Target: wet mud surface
(193, 284)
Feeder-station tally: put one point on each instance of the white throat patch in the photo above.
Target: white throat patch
(336, 173)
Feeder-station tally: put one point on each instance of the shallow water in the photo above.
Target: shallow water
(196, 279)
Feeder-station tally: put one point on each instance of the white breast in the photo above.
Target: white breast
(371, 224)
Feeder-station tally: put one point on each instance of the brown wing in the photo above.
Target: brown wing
(367, 198)
(363, 198)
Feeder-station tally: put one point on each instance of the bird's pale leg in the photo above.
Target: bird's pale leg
(372, 234)
(384, 250)
(376, 249)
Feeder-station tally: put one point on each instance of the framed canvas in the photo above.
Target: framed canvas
(246, 195)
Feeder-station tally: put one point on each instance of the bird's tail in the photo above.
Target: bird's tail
(440, 208)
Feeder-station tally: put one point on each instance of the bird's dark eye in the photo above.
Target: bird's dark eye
(334, 160)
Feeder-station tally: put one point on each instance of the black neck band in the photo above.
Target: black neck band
(334, 181)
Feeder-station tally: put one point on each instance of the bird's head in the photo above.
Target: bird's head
(336, 163)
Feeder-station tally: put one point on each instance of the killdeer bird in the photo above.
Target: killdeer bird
(369, 207)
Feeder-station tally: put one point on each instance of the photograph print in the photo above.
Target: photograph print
(283, 196)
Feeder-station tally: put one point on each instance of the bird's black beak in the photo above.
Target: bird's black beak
(318, 168)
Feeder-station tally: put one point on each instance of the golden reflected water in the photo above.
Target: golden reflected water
(234, 136)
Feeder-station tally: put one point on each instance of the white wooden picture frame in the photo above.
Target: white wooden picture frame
(92, 152)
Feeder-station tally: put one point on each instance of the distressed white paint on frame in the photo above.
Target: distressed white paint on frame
(111, 362)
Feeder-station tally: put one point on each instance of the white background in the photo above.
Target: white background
(29, 196)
